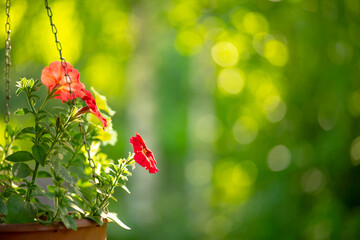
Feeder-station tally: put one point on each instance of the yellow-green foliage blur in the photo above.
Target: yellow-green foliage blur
(250, 107)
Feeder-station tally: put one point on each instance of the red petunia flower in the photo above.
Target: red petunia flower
(90, 101)
(143, 155)
(53, 76)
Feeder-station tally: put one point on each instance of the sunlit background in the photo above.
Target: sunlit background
(251, 108)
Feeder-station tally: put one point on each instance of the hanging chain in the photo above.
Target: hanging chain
(59, 48)
(68, 81)
(7, 72)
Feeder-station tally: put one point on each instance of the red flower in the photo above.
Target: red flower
(53, 76)
(90, 101)
(143, 155)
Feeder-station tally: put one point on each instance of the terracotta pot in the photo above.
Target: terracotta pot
(86, 230)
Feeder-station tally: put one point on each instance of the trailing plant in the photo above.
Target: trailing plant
(63, 144)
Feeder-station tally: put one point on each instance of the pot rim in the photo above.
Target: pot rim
(55, 226)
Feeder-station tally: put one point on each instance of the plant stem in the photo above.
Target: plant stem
(32, 181)
(76, 151)
(31, 106)
(48, 97)
(117, 177)
(6, 150)
(58, 201)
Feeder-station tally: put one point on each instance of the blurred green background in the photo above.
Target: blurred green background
(251, 108)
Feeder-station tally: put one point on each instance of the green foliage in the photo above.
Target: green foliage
(20, 156)
(39, 154)
(21, 170)
(19, 210)
(56, 148)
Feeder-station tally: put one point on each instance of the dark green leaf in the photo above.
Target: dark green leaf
(21, 170)
(42, 117)
(96, 219)
(20, 156)
(61, 171)
(39, 154)
(38, 191)
(45, 125)
(82, 195)
(46, 223)
(20, 211)
(69, 222)
(50, 195)
(21, 191)
(46, 207)
(3, 207)
(10, 130)
(67, 133)
(25, 130)
(43, 174)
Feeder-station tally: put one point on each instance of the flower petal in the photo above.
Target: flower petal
(64, 91)
(143, 155)
(90, 101)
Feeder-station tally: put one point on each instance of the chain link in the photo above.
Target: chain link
(59, 48)
(68, 81)
(7, 72)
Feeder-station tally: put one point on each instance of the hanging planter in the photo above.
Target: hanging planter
(86, 230)
(63, 145)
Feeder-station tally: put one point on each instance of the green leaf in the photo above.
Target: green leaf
(31, 82)
(96, 219)
(51, 188)
(101, 102)
(20, 211)
(45, 125)
(10, 130)
(113, 216)
(46, 207)
(21, 170)
(72, 223)
(43, 174)
(83, 196)
(50, 195)
(42, 117)
(22, 111)
(18, 91)
(20, 156)
(125, 188)
(61, 171)
(3, 207)
(77, 208)
(38, 191)
(102, 193)
(46, 223)
(69, 222)
(39, 154)
(25, 130)
(67, 133)
(21, 191)
(68, 146)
